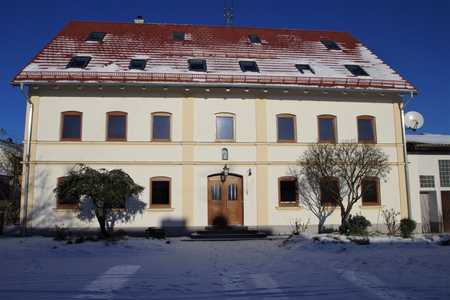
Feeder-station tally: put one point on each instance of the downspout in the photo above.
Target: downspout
(24, 221)
(405, 155)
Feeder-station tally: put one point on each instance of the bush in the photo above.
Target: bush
(299, 227)
(390, 220)
(355, 225)
(327, 230)
(407, 227)
(61, 233)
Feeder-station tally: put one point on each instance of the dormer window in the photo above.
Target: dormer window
(197, 65)
(179, 36)
(79, 62)
(305, 69)
(254, 39)
(248, 66)
(96, 36)
(331, 45)
(356, 70)
(137, 64)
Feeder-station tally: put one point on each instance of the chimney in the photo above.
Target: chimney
(139, 20)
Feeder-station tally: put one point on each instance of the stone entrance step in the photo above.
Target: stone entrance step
(233, 233)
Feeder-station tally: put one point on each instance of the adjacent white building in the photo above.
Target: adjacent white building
(208, 119)
(429, 171)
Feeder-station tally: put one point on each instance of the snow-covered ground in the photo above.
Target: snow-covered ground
(40, 268)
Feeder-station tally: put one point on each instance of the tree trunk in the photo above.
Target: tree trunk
(100, 214)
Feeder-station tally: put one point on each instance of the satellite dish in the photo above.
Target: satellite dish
(413, 120)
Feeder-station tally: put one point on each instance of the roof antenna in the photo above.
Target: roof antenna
(228, 12)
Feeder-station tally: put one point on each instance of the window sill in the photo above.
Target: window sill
(160, 209)
(375, 206)
(288, 208)
(66, 209)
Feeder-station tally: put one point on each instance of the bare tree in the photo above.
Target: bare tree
(308, 180)
(350, 164)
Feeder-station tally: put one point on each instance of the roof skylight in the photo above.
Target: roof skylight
(248, 66)
(356, 70)
(79, 62)
(305, 69)
(137, 64)
(254, 39)
(197, 65)
(331, 45)
(179, 36)
(96, 36)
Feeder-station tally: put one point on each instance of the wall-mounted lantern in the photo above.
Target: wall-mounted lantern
(224, 174)
(224, 154)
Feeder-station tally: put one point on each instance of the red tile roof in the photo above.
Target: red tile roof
(221, 47)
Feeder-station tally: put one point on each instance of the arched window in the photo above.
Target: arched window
(286, 128)
(366, 130)
(225, 127)
(116, 126)
(161, 126)
(370, 191)
(160, 192)
(287, 191)
(327, 129)
(71, 123)
(329, 191)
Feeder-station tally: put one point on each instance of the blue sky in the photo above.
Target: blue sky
(410, 35)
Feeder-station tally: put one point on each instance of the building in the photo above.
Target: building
(429, 170)
(178, 106)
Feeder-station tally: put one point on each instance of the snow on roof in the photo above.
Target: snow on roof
(432, 139)
(222, 47)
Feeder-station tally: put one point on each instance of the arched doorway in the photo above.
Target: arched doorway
(225, 200)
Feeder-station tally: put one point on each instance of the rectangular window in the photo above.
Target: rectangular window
(69, 201)
(96, 36)
(331, 45)
(286, 128)
(117, 126)
(288, 195)
(327, 129)
(79, 62)
(216, 192)
(426, 181)
(161, 127)
(178, 36)
(356, 70)
(160, 192)
(232, 192)
(225, 128)
(366, 130)
(197, 65)
(254, 39)
(329, 191)
(444, 172)
(71, 126)
(248, 66)
(305, 69)
(370, 191)
(137, 64)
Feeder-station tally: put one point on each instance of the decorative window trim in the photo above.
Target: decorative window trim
(374, 127)
(377, 180)
(287, 203)
(116, 113)
(160, 178)
(62, 205)
(224, 114)
(70, 113)
(292, 116)
(165, 114)
(327, 117)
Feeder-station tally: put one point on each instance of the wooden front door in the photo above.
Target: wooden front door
(445, 198)
(225, 200)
